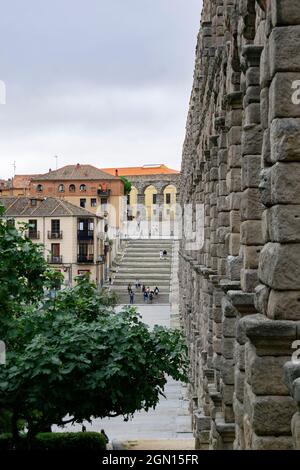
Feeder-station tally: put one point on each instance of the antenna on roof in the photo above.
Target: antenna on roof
(56, 158)
(14, 167)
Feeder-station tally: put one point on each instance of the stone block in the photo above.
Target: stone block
(234, 156)
(265, 374)
(284, 49)
(261, 298)
(234, 244)
(296, 430)
(252, 139)
(271, 442)
(229, 327)
(234, 201)
(234, 136)
(252, 76)
(233, 180)
(251, 206)
(251, 171)
(285, 140)
(266, 147)
(284, 305)
(285, 179)
(269, 415)
(284, 223)
(279, 266)
(251, 256)
(235, 221)
(234, 118)
(264, 108)
(285, 12)
(283, 97)
(251, 233)
(249, 279)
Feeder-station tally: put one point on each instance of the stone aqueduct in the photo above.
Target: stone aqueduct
(240, 294)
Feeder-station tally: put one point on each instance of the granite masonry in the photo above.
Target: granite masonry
(240, 293)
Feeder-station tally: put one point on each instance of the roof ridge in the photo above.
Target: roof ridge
(63, 203)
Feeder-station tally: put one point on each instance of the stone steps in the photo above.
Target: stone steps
(141, 261)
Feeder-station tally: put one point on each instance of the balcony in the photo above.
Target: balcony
(102, 193)
(55, 235)
(54, 259)
(85, 259)
(33, 235)
(85, 234)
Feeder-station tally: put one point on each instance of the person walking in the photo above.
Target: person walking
(129, 288)
(161, 254)
(165, 254)
(145, 296)
(156, 291)
(131, 297)
(105, 437)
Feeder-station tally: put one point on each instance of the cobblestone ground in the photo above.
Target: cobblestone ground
(169, 421)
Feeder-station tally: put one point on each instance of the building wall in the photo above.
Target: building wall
(68, 246)
(239, 288)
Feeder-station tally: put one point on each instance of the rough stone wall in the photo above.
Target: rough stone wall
(240, 293)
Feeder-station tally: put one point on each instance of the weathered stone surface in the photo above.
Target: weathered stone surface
(284, 305)
(251, 206)
(269, 415)
(285, 12)
(265, 374)
(284, 223)
(279, 266)
(252, 139)
(282, 103)
(285, 140)
(284, 51)
(251, 232)
(251, 171)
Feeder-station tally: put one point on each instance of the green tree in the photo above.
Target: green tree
(73, 356)
(127, 185)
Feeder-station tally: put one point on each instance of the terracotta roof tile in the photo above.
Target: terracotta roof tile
(75, 172)
(141, 170)
(46, 207)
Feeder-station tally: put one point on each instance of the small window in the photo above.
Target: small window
(72, 188)
(61, 188)
(154, 198)
(93, 202)
(168, 198)
(82, 188)
(83, 203)
(33, 202)
(39, 188)
(55, 225)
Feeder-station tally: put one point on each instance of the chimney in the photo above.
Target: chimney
(50, 170)
(78, 166)
(117, 172)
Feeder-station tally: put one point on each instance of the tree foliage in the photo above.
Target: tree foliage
(127, 185)
(73, 355)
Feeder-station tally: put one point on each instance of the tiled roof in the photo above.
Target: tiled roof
(46, 207)
(142, 170)
(75, 172)
(22, 181)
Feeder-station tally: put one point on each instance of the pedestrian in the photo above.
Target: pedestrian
(161, 254)
(137, 284)
(110, 281)
(165, 254)
(131, 297)
(143, 288)
(156, 291)
(83, 428)
(145, 296)
(129, 288)
(151, 297)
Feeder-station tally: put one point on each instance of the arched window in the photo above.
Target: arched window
(82, 187)
(39, 188)
(61, 188)
(72, 188)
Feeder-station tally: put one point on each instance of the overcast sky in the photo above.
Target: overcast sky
(105, 82)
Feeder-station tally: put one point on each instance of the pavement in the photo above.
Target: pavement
(169, 421)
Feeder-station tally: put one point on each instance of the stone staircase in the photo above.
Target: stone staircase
(140, 260)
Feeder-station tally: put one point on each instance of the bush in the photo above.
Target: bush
(67, 441)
